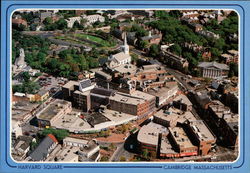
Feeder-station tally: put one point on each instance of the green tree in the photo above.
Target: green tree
(26, 76)
(154, 50)
(60, 134)
(47, 21)
(145, 153)
(142, 44)
(176, 49)
(61, 24)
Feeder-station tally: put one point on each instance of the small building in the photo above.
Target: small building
(41, 96)
(87, 148)
(152, 39)
(21, 147)
(213, 69)
(44, 148)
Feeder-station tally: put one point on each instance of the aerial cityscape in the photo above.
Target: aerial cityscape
(125, 86)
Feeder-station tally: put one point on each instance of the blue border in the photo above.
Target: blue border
(8, 7)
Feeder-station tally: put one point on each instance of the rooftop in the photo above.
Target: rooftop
(126, 68)
(96, 118)
(72, 122)
(201, 130)
(41, 151)
(213, 65)
(163, 91)
(183, 98)
(175, 116)
(149, 133)
(137, 97)
(52, 110)
(180, 137)
(166, 147)
(70, 83)
(120, 56)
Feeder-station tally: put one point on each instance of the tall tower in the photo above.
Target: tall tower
(125, 46)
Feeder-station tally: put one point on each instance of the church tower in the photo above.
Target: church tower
(125, 46)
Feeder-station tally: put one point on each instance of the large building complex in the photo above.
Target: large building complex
(138, 103)
(52, 112)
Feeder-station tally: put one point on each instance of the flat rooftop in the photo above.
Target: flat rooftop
(175, 115)
(166, 147)
(71, 122)
(52, 110)
(135, 98)
(126, 68)
(201, 130)
(149, 133)
(117, 116)
(180, 137)
(81, 141)
(184, 99)
(96, 118)
(85, 93)
(159, 92)
(70, 83)
(66, 154)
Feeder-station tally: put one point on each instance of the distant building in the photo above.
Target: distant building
(172, 117)
(208, 34)
(100, 96)
(152, 39)
(17, 22)
(41, 96)
(43, 150)
(70, 21)
(202, 99)
(94, 18)
(213, 69)
(44, 15)
(231, 56)
(175, 61)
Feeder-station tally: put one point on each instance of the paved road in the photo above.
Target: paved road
(120, 151)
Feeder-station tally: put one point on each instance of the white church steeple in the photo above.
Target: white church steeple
(125, 46)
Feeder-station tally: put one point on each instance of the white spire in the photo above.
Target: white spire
(125, 46)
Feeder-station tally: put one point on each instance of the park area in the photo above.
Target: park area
(87, 39)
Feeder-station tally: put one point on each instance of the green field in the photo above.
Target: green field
(98, 40)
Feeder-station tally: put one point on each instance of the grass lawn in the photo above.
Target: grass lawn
(98, 40)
